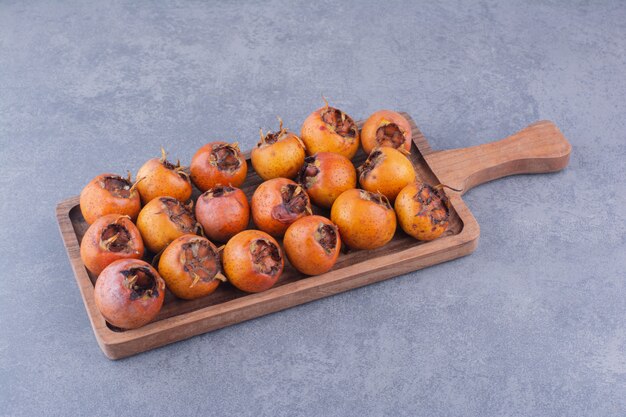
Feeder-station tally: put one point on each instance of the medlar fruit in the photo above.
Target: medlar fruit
(423, 211)
(160, 177)
(109, 194)
(277, 203)
(223, 212)
(190, 266)
(325, 176)
(312, 245)
(365, 220)
(164, 219)
(278, 154)
(386, 128)
(218, 163)
(129, 293)
(330, 130)
(108, 239)
(386, 171)
(252, 261)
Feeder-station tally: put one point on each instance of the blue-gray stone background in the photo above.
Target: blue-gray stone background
(532, 323)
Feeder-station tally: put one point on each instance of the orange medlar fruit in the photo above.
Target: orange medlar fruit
(278, 154)
(423, 211)
(160, 177)
(386, 128)
(330, 130)
(312, 245)
(365, 219)
(164, 219)
(218, 163)
(277, 203)
(325, 176)
(252, 261)
(108, 239)
(386, 171)
(190, 266)
(109, 194)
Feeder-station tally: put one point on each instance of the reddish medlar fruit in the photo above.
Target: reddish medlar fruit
(365, 220)
(218, 163)
(325, 176)
(164, 219)
(277, 203)
(386, 128)
(109, 194)
(278, 154)
(423, 211)
(312, 245)
(190, 266)
(108, 239)
(129, 293)
(386, 171)
(252, 261)
(159, 177)
(223, 212)
(330, 130)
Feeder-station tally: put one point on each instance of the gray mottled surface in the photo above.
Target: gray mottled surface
(533, 323)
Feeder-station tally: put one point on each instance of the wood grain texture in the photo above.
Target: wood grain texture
(181, 319)
(539, 148)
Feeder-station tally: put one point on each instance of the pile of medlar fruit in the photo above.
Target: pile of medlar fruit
(312, 200)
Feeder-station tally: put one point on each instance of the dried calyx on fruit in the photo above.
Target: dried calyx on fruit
(141, 282)
(377, 198)
(180, 214)
(116, 238)
(387, 129)
(226, 157)
(295, 201)
(177, 168)
(338, 121)
(200, 260)
(217, 192)
(265, 257)
(309, 171)
(118, 186)
(373, 160)
(326, 236)
(271, 137)
(390, 134)
(434, 203)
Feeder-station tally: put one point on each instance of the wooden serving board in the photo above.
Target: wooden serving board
(538, 148)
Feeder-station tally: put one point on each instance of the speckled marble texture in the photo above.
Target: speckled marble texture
(531, 324)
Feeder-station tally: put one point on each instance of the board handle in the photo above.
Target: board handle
(538, 148)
